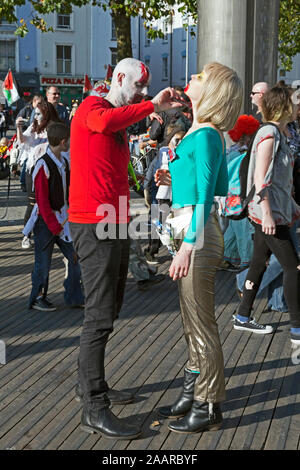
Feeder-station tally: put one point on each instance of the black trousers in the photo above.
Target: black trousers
(283, 248)
(104, 267)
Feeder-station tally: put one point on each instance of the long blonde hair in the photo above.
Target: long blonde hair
(221, 96)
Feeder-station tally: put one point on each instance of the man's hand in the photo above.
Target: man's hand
(166, 99)
(163, 177)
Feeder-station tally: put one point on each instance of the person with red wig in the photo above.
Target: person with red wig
(238, 236)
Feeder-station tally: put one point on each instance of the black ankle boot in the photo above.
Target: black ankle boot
(116, 397)
(202, 417)
(184, 402)
(104, 422)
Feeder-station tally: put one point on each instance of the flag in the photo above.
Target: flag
(109, 73)
(101, 88)
(87, 85)
(9, 89)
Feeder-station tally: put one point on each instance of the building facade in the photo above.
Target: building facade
(20, 54)
(292, 77)
(84, 42)
(173, 58)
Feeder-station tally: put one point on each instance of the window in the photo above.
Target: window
(147, 40)
(113, 57)
(165, 69)
(64, 59)
(7, 55)
(4, 22)
(165, 30)
(63, 21)
(113, 31)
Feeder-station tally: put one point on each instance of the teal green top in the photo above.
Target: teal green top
(199, 173)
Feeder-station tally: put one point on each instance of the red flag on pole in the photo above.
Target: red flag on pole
(9, 89)
(87, 84)
(109, 73)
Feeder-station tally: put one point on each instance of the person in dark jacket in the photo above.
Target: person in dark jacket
(53, 97)
(175, 117)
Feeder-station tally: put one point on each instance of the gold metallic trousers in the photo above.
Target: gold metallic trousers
(197, 302)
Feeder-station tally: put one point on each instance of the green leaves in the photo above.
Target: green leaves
(289, 32)
(150, 11)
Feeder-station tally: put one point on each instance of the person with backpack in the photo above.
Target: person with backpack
(238, 236)
(273, 276)
(272, 210)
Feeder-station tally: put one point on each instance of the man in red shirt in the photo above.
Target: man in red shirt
(99, 217)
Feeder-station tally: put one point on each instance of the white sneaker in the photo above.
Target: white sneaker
(252, 326)
(26, 243)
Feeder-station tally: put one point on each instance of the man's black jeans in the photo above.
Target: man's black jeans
(282, 247)
(104, 267)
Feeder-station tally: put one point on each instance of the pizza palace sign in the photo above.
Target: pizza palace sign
(61, 81)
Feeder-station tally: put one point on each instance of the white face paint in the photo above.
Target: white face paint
(133, 90)
(133, 78)
(38, 115)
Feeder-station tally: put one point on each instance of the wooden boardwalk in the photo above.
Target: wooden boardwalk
(146, 354)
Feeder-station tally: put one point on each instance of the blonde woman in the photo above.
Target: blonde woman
(198, 174)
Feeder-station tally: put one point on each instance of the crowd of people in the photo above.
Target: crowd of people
(76, 171)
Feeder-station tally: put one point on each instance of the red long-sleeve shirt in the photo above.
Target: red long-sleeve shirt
(99, 159)
(41, 185)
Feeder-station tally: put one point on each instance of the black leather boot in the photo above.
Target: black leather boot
(184, 402)
(116, 397)
(202, 417)
(104, 422)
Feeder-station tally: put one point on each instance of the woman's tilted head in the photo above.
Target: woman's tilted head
(217, 95)
(44, 113)
(277, 105)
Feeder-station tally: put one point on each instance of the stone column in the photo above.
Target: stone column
(221, 33)
(242, 34)
(265, 41)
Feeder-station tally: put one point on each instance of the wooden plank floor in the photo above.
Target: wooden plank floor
(146, 354)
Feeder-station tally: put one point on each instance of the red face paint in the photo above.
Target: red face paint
(144, 73)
